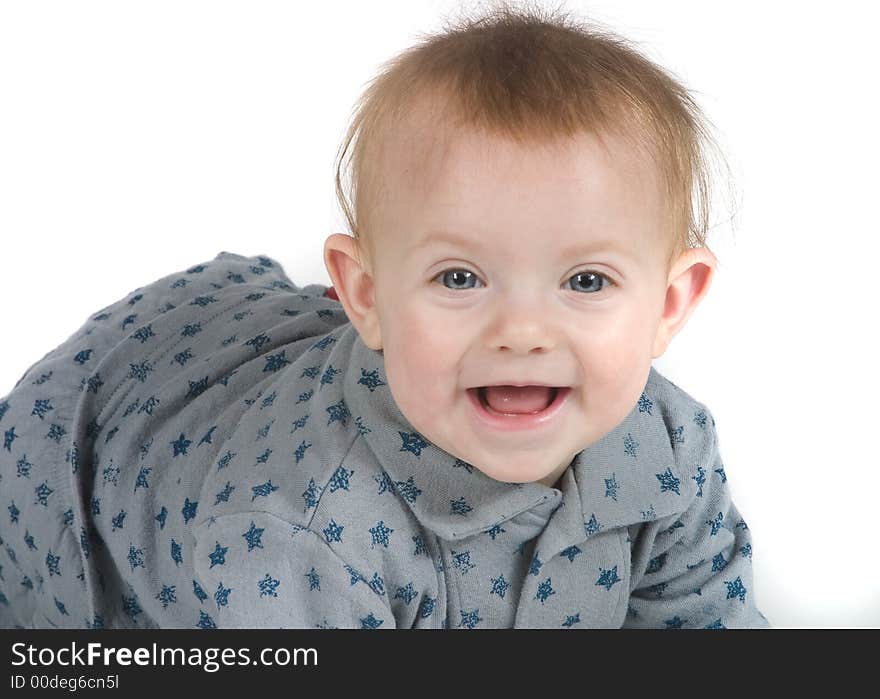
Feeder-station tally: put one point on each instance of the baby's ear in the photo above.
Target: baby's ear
(354, 286)
(689, 279)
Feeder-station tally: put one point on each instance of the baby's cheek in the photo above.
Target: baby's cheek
(414, 354)
(430, 341)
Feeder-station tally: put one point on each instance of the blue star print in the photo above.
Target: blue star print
(495, 531)
(735, 588)
(205, 621)
(135, 557)
(263, 489)
(252, 536)
(412, 442)
(592, 527)
(380, 534)
(180, 445)
(176, 552)
(111, 474)
(223, 495)
(314, 580)
(333, 532)
(370, 379)
(42, 493)
(340, 479)
(301, 450)
(675, 622)
(221, 596)
(408, 489)
(141, 481)
(611, 487)
(470, 619)
(459, 507)
(189, 510)
(499, 586)
(608, 578)
(630, 445)
(377, 584)
(328, 375)
(668, 482)
(407, 594)
(41, 407)
(311, 494)
(545, 589)
(258, 342)
(218, 555)
(140, 372)
(52, 563)
(462, 561)
(118, 520)
(275, 362)
(715, 523)
(535, 564)
(371, 622)
(167, 595)
(426, 607)
(200, 594)
(570, 552)
(23, 467)
(700, 479)
(196, 388)
(338, 413)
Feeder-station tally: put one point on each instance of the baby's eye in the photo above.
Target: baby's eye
(457, 277)
(583, 281)
(589, 280)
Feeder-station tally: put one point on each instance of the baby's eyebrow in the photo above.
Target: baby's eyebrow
(450, 238)
(577, 249)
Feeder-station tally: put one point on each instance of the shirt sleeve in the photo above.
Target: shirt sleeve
(259, 571)
(194, 287)
(699, 572)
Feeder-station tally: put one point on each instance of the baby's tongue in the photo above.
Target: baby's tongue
(518, 399)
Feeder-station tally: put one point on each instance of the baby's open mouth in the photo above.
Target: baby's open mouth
(516, 400)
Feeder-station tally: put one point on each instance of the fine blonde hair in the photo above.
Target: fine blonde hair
(534, 76)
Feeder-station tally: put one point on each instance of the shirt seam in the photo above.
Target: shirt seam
(623, 600)
(335, 553)
(330, 478)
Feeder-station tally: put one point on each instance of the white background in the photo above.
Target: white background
(138, 139)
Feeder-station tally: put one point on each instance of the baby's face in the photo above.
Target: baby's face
(507, 264)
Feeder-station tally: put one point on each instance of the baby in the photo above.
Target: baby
(464, 431)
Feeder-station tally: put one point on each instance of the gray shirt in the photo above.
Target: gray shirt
(220, 449)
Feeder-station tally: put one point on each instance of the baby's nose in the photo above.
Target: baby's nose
(523, 335)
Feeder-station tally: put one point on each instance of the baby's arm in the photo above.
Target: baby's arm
(699, 574)
(260, 571)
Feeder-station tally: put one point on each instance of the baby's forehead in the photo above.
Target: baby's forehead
(422, 150)
(469, 181)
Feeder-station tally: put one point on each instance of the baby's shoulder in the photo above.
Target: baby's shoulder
(671, 398)
(688, 421)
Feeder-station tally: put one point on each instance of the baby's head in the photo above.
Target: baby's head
(523, 215)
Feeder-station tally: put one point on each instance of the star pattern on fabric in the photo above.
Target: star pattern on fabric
(413, 442)
(253, 536)
(291, 502)
(218, 555)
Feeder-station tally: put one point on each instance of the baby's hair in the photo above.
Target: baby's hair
(536, 77)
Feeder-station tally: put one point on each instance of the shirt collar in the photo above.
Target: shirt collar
(628, 476)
